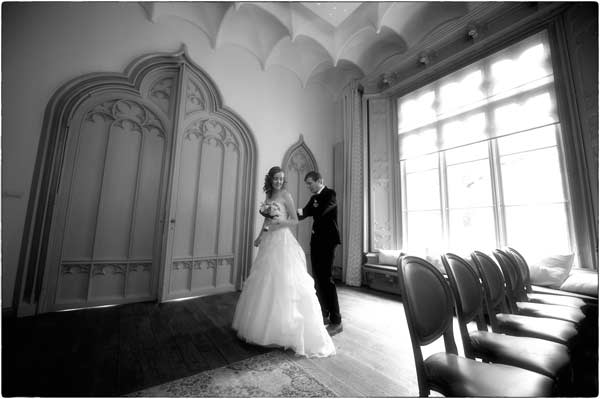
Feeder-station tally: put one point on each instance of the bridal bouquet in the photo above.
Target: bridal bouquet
(270, 210)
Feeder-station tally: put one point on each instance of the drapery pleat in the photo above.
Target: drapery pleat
(353, 183)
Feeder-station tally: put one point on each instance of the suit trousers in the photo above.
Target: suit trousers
(321, 256)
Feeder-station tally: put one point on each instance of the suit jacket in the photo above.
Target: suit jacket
(323, 208)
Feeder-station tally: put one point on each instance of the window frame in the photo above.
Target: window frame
(494, 158)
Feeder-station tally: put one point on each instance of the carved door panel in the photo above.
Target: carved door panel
(297, 162)
(146, 191)
(105, 242)
(205, 202)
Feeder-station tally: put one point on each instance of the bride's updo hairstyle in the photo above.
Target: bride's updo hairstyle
(268, 187)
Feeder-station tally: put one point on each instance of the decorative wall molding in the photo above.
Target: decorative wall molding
(204, 263)
(76, 268)
(162, 90)
(112, 268)
(382, 235)
(382, 158)
(299, 157)
(212, 131)
(457, 44)
(128, 115)
(194, 98)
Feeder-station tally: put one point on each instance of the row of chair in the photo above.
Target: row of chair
(528, 351)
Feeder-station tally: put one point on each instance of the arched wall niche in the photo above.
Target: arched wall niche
(297, 162)
(127, 131)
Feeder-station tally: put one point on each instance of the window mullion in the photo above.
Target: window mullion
(442, 171)
(444, 199)
(403, 199)
(497, 194)
(494, 161)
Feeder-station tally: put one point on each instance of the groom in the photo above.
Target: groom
(325, 237)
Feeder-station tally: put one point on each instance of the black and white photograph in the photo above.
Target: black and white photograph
(299, 199)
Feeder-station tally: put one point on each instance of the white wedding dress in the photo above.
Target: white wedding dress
(278, 305)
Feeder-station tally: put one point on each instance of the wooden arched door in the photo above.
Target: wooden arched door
(153, 181)
(210, 186)
(297, 162)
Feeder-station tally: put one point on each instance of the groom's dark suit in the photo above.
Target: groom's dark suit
(324, 238)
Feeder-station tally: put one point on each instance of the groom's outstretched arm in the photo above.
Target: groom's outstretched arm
(305, 212)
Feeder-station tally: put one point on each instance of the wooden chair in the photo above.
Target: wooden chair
(517, 295)
(428, 307)
(503, 321)
(545, 357)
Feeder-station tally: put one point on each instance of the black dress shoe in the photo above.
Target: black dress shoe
(334, 329)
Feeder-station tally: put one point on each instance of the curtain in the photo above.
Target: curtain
(353, 183)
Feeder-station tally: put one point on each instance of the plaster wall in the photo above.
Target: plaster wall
(45, 45)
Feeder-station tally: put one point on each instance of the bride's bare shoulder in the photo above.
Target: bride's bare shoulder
(286, 194)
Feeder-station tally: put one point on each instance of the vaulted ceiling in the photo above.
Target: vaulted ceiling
(328, 43)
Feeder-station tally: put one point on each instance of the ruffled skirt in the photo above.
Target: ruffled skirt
(278, 305)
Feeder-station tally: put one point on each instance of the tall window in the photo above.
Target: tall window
(480, 158)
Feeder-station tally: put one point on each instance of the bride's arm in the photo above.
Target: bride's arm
(292, 219)
(264, 227)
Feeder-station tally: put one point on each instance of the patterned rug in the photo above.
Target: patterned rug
(273, 374)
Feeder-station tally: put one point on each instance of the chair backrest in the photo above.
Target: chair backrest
(468, 297)
(515, 286)
(523, 266)
(428, 307)
(493, 286)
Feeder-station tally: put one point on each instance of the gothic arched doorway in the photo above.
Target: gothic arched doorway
(297, 162)
(143, 191)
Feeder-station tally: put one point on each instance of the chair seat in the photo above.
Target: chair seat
(559, 312)
(452, 375)
(562, 332)
(556, 300)
(553, 291)
(544, 357)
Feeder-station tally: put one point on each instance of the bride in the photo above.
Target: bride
(278, 305)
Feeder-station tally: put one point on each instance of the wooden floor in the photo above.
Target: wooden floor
(119, 350)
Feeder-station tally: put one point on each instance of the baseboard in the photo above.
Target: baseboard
(381, 281)
(8, 312)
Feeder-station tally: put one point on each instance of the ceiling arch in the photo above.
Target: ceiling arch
(328, 43)
(301, 56)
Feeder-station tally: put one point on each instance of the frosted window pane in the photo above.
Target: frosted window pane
(416, 110)
(542, 230)
(424, 232)
(511, 72)
(532, 177)
(423, 190)
(515, 117)
(465, 130)
(466, 153)
(426, 162)
(418, 143)
(471, 229)
(458, 93)
(531, 140)
(469, 185)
